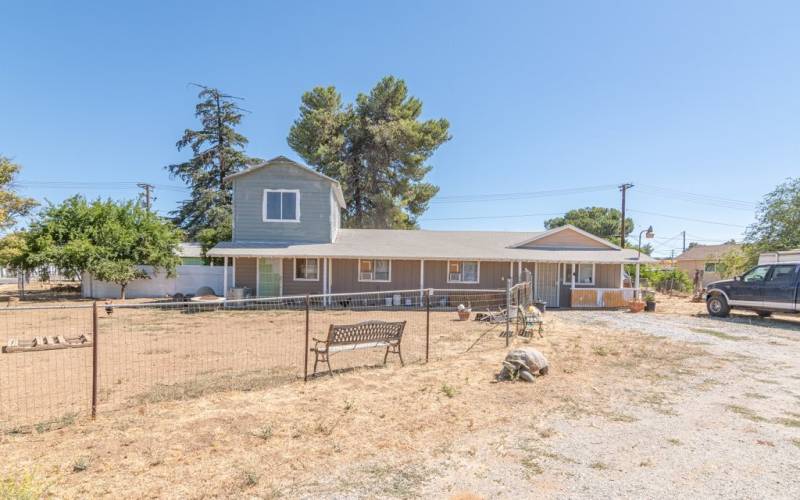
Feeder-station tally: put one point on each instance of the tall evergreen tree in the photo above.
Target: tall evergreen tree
(218, 151)
(376, 148)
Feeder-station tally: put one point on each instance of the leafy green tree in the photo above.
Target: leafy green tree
(218, 151)
(376, 148)
(600, 221)
(777, 225)
(736, 261)
(12, 205)
(107, 239)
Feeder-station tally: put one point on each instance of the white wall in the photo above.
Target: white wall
(187, 281)
(773, 257)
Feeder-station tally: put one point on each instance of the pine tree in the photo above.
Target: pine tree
(376, 148)
(218, 151)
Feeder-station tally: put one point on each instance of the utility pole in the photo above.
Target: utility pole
(623, 188)
(147, 190)
(684, 240)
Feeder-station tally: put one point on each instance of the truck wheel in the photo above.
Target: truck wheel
(764, 314)
(717, 306)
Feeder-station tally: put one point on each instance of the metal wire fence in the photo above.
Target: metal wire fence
(61, 362)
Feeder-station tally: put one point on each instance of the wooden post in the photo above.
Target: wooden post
(427, 323)
(508, 312)
(305, 355)
(95, 372)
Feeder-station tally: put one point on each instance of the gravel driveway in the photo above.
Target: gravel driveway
(730, 432)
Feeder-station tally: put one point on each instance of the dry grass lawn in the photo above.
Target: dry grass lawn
(369, 432)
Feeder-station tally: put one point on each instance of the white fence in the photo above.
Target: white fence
(187, 281)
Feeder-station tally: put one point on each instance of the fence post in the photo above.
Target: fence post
(305, 354)
(94, 359)
(427, 323)
(508, 312)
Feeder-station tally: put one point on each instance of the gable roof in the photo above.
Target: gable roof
(567, 227)
(282, 160)
(705, 252)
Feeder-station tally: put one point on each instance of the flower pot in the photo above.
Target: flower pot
(636, 306)
(463, 315)
(650, 306)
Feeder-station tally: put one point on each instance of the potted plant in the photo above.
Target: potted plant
(464, 312)
(636, 306)
(650, 302)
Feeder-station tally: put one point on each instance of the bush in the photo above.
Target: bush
(666, 279)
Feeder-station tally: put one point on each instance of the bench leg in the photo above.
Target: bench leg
(328, 360)
(316, 360)
(401, 355)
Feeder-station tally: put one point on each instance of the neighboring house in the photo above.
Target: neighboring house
(288, 240)
(704, 258)
(191, 254)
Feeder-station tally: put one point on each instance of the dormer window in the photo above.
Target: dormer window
(281, 205)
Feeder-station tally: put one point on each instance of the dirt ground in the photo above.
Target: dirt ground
(670, 404)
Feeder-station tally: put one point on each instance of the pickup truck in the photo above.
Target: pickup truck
(764, 289)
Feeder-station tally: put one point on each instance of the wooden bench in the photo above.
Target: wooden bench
(365, 335)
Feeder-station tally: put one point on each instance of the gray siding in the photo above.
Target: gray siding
(315, 206)
(292, 287)
(492, 275)
(405, 276)
(246, 273)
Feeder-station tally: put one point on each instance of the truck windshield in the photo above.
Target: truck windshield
(755, 274)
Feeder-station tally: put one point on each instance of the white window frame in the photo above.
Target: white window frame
(566, 279)
(296, 205)
(706, 264)
(478, 274)
(294, 266)
(373, 280)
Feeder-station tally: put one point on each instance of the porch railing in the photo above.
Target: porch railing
(601, 297)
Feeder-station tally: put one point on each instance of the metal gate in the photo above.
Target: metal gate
(547, 283)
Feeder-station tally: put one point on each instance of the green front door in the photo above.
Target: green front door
(269, 277)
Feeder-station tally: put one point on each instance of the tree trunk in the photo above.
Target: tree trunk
(122, 287)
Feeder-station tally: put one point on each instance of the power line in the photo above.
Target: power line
(474, 198)
(688, 219)
(493, 216)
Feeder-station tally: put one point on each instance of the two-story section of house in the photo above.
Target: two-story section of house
(288, 240)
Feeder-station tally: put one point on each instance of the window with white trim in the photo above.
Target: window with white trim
(710, 267)
(306, 269)
(463, 271)
(281, 205)
(584, 274)
(374, 270)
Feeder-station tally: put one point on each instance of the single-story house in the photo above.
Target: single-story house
(705, 259)
(288, 240)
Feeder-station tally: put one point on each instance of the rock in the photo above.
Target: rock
(524, 363)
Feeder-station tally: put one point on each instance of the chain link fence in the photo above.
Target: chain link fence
(62, 362)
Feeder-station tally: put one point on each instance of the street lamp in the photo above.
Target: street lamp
(649, 234)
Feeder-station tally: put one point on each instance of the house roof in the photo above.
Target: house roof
(706, 252)
(424, 244)
(190, 249)
(282, 160)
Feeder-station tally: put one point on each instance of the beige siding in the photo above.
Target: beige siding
(246, 273)
(292, 287)
(492, 275)
(404, 276)
(566, 239)
(607, 276)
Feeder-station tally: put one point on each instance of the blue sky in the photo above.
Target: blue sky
(698, 97)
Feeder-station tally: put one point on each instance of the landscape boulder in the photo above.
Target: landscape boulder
(525, 364)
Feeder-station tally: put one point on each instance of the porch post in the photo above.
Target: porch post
(225, 277)
(511, 272)
(519, 271)
(622, 275)
(258, 276)
(330, 275)
(574, 271)
(421, 279)
(233, 279)
(325, 280)
(636, 287)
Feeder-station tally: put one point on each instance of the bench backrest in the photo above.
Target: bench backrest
(367, 331)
